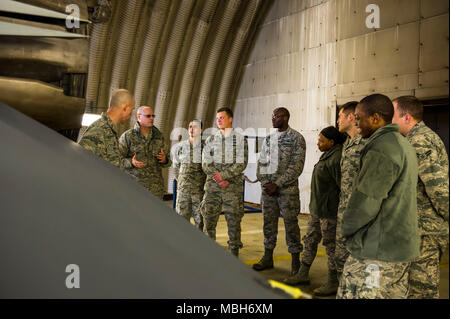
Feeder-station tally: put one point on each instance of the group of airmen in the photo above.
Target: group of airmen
(379, 192)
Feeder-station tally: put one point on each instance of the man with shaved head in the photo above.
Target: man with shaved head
(101, 136)
(145, 152)
(279, 182)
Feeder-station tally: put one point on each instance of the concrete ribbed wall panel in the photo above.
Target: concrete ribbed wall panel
(434, 43)
(433, 78)
(431, 8)
(352, 15)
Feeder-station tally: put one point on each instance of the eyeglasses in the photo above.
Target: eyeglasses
(274, 117)
(148, 115)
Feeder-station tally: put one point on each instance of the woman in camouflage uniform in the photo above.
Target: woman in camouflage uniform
(325, 189)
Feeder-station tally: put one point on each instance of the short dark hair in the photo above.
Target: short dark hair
(284, 110)
(198, 121)
(226, 110)
(378, 103)
(410, 104)
(349, 107)
(332, 133)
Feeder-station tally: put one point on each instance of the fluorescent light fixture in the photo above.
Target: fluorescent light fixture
(88, 119)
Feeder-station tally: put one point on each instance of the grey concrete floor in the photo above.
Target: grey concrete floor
(252, 238)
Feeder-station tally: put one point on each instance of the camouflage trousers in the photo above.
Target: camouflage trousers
(341, 253)
(289, 205)
(424, 274)
(318, 229)
(156, 189)
(373, 279)
(188, 205)
(230, 201)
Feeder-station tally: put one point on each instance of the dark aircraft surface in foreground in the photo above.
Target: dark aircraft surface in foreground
(69, 219)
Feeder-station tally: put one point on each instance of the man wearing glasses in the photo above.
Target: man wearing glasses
(145, 152)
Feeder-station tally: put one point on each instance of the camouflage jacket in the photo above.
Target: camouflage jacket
(146, 148)
(187, 164)
(102, 140)
(432, 187)
(351, 155)
(282, 159)
(227, 155)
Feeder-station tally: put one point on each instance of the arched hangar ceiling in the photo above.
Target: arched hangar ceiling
(182, 57)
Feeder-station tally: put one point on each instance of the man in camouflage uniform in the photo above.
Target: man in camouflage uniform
(351, 153)
(187, 162)
(380, 219)
(432, 196)
(225, 157)
(101, 136)
(145, 152)
(279, 167)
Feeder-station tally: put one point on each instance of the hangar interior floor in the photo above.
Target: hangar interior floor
(252, 238)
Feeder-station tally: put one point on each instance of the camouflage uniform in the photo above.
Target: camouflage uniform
(146, 148)
(323, 206)
(190, 178)
(351, 154)
(432, 210)
(374, 279)
(229, 157)
(318, 229)
(285, 173)
(380, 219)
(102, 140)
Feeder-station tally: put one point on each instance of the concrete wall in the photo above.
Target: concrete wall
(311, 55)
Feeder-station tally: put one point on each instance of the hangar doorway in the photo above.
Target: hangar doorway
(436, 116)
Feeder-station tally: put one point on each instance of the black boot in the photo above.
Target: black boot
(266, 261)
(235, 251)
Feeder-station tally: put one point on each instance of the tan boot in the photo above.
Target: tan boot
(330, 287)
(301, 277)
